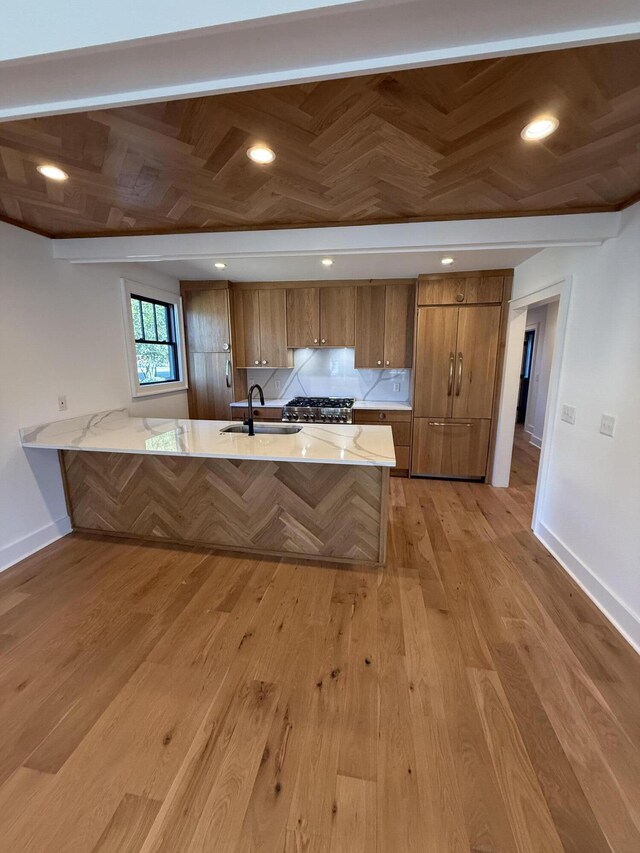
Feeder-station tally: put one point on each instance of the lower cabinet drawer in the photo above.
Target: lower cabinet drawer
(265, 413)
(449, 447)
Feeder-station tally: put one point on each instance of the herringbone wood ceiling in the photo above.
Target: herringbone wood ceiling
(430, 143)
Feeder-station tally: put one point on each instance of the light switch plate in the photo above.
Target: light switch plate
(62, 403)
(568, 414)
(607, 425)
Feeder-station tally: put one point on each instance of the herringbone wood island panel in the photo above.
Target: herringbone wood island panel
(304, 509)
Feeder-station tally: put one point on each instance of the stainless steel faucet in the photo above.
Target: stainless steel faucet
(249, 420)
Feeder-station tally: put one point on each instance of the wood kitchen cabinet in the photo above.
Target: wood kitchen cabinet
(384, 326)
(208, 345)
(461, 289)
(260, 327)
(400, 422)
(457, 351)
(321, 316)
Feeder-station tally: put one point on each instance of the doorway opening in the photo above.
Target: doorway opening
(528, 408)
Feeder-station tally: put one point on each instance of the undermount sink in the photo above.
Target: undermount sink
(271, 429)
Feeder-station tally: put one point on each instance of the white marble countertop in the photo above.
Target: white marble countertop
(358, 404)
(116, 432)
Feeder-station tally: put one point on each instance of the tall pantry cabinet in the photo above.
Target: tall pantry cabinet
(458, 354)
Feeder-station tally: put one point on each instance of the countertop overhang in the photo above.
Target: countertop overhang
(115, 431)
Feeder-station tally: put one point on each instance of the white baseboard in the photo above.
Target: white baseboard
(623, 619)
(16, 551)
(537, 442)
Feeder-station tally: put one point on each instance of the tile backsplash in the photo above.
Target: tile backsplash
(331, 372)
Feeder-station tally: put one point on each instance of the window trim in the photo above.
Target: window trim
(148, 389)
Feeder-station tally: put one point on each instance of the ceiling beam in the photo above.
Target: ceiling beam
(519, 232)
(313, 41)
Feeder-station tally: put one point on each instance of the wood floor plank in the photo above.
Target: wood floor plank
(465, 697)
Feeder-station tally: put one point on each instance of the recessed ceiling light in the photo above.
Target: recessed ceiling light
(539, 128)
(327, 262)
(261, 154)
(446, 262)
(52, 172)
(220, 266)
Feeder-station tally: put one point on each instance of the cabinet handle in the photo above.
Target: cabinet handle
(227, 373)
(264, 361)
(379, 362)
(256, 362)
(459, 297)
(315, 340)
(323, 341)
(459, 385)
(387, 362)
(382, 416)
(450, 385)
(445, 423)
(225, 347)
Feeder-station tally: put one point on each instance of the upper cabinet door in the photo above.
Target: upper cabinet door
(337, 316)
(398, 325)
(273, 328)
(206, 315)
(303, 317)
(246, 313)
(459, 289)
(475, 360)
(370, 326)
(435, 362)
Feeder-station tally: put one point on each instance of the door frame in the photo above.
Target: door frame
(516, 325)
(532, 327)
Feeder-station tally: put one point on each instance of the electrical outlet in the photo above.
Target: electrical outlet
(568, 414)
(62, 403)
(607, 425)
(278, 385)
(396, 386)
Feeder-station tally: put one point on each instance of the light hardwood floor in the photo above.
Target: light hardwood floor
(468, 697)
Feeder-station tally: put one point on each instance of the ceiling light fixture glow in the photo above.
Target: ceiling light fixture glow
(220, 266)
(446, 262)
(539, 128)
(327, 262)
(52, 172)
(261, 154)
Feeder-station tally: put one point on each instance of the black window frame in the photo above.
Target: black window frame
(171, 343)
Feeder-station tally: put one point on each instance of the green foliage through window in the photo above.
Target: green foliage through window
(155, 340)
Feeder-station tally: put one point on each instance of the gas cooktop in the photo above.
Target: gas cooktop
(313, 409)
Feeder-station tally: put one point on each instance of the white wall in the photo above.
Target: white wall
(590, 517)
(544, 319)
(61, 332)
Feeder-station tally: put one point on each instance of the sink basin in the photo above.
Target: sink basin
(271, 429)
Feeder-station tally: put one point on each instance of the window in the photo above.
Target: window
(155, 339)
(156, 353)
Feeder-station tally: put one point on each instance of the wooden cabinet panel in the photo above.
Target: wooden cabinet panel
(402, 459)
(210, 389)
(273, 328)
(459, 290)
(206, 315)
(476, 356)
(398, 325)
(435, 361)
(375, 416)
(246, 314)
(448, 290)
(450, 448)
(370, 326)
(265, 413)
(337, 316)
(303, 317)
(485, 289)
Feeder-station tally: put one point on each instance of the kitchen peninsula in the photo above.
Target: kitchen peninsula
(314, 491)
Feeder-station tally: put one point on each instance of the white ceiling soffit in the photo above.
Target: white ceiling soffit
(298, 41)
(526, 232)
(362, 266)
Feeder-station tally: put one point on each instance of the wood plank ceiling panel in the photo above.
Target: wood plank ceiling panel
(429, 143)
